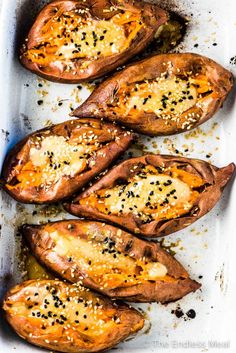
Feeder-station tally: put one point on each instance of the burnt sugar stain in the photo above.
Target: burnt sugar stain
(191, 314)
(233, 60)
(26, 121)
(5, 135)
(179, 313)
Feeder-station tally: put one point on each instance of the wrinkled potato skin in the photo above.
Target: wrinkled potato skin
(115, 142)
(153, 18)
(97, 105)
(217, 178)
(131, 322)
(42, 247)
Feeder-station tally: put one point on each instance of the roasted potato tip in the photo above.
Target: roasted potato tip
(162, 95)
(72, 41)
(153, 195)
(68, 318)
(109, 260)
(51, 164)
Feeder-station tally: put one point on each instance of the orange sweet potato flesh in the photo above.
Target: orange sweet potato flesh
(87, 146)
(205, 182)
(109, 260)
(68, 318)
(206, 86)
(63, 43)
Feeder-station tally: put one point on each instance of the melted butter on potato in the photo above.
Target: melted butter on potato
(65, 308)
(151, 191)
(55, 313)
(149, 195)
(110, 40)
(56, 158)
(69, 36)
(171, 96)
(103, 262)
(154, 270)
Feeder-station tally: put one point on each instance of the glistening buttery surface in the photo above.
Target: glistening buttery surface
(205, 249)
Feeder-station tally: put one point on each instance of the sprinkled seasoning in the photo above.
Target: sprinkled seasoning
(75, 36)
(150, 194)
(53, 156)
(65, 318)
(168, 97)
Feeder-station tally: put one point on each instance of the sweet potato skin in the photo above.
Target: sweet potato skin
(43, 247)
(152, 16)
(98, 105)
(215, 178)
(130, 321)
(113, 141)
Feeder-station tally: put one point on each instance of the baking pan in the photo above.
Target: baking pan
(204, 320)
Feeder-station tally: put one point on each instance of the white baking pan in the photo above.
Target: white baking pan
(207, 248)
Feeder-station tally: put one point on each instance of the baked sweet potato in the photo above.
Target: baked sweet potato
(52, 163)
(72, 41)
(162, 95)
(109, 260)
(153, 195)
(68, 318)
